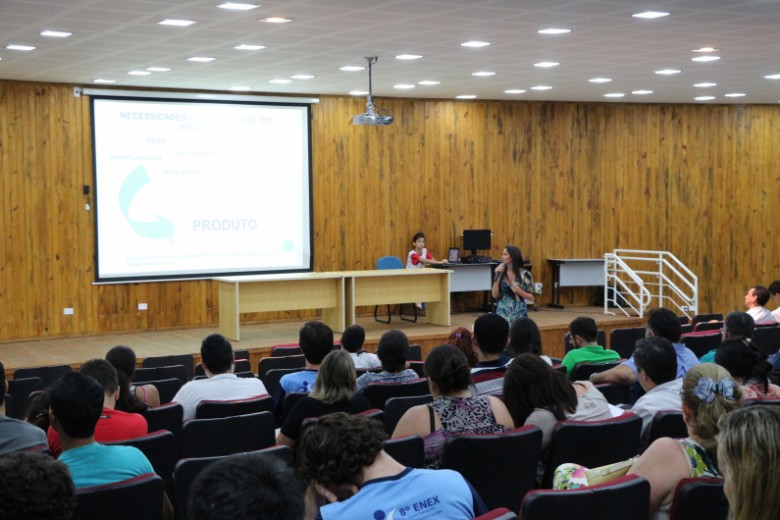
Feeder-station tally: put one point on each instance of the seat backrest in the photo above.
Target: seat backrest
(415, 353)
(20, 390)
(708, 325)
(162, 449)
(167, 388)
(165, 417)
(593, 443)
(768, 338)
(139, 497)
(241, 354)
(622, 341)
(290, 400)
(501, 467)
(47, 374)
(667, 423)
(389, 262)
(286, 350)
(601, 339)
(396, 407)
(614, 393)
(275, 363)
(409, 450)
(213, 409)
(271, 378)
(500, 513)
(699, 498)
(419, 367)
(227, 435)
(378, 393)
(706, 317)
(240, 365)
(142, 375)
(185, 360)
(583, 370)
(701, 344)
(627, 498)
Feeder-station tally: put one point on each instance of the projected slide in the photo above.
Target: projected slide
(188, 189)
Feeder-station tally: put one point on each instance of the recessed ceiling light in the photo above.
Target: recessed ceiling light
(735, 94)
(358, 92)
(429, 82)
(177, 23)
(541, 87)
(17, 47)
(483, 73)
(56, 34)
(240, 88)
(408, 56)
(234, 6)
(705, 58)
(475, 44)
(546, 64)
(466, 96)
(404, 86)
(705, 49)
(514, 91)
(650, 15)
(249, 47)
(600, 80)
(668, 72)
(139, 73)
(705, 84)
(201, 59)
(281, 81)
(641, 92)
(158, 69)
(302, 76)
(614, 94)
(553, 30)
(352, 68)
(104, 81)
(276, 19)
(772, 76)
(704, 98)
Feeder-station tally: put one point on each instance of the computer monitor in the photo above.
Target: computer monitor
(476, 240)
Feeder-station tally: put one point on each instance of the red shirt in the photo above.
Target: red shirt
(113, 425)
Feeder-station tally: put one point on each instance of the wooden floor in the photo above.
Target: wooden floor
(258, 338)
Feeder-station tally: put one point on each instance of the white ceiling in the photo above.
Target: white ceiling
(112, 37)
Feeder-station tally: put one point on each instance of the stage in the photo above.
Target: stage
(259, 337)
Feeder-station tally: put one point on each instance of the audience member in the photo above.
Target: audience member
(748, 454)
(491, 336)
(755, 299)
(774, 290)
(246, 487)
(393, 351)
(352, 340)
(16, 435)
(737, 325)
(661, 323)
(461, 338)
(316, 341)
(132, 398)
(453, 410)
(583, 334)
(536, 394)
(113, 425)
(524, 336)
(76, 406)
(334, 391)
(222, 384)
(38, 410)
(747, 364)
(349, 476)
(656, 365)
(34, 486)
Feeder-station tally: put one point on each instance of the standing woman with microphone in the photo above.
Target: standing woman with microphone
(512, 286)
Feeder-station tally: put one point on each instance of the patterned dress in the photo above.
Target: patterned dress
(458, 415)
(510, 305)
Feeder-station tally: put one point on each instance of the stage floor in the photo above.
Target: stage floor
(257, 338)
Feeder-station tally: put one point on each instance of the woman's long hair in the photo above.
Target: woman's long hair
(524, 336)
(123, 359)
(461, 338)
(709, 392)
(335, 381)
(530, 383)
(516, 263)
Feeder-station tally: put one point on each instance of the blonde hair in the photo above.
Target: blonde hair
(749, 450)
(335, 381)
(707, 414)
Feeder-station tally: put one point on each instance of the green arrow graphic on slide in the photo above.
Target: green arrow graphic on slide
(160, 228)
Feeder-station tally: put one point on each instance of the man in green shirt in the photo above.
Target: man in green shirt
(583, 332)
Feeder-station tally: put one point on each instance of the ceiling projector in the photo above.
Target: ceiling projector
(373, 115)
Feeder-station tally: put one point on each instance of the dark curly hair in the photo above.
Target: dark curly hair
(530, 383)
(334, 450)
(447, 367)
(34, 485)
